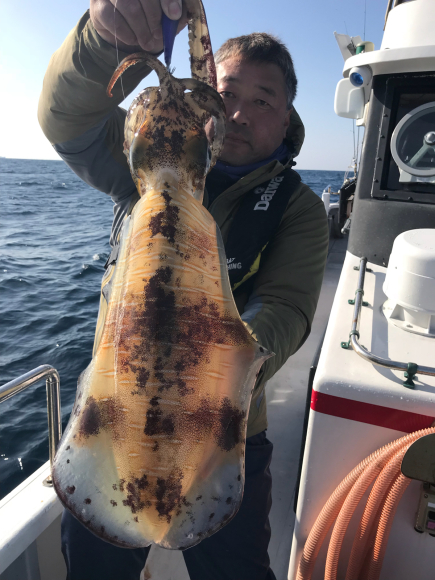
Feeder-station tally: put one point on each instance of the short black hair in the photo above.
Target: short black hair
(262, 47)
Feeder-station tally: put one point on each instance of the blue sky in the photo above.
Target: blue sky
(32, 31)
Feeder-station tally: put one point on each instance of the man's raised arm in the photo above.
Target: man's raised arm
(74, 97)
(84, 125)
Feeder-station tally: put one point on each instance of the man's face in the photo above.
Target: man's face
(256, 103)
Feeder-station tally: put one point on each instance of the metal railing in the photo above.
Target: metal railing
(410, 369)
(52, 382)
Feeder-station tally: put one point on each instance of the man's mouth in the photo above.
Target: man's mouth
(235, 138)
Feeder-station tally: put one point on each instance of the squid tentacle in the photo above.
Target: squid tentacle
(132, 59)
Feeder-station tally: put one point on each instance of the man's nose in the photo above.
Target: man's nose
(239, 116)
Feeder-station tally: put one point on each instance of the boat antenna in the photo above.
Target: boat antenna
(365, 14)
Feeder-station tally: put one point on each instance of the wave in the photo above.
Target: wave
(30, 183)
(92, 271)
(14, 284)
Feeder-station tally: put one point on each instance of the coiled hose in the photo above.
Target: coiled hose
(372, 536)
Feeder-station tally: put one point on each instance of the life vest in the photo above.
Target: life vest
(255, 223)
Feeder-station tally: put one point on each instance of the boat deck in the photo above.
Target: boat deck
(286, 397)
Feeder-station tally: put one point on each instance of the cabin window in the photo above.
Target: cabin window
(404, 168)
(412, 143)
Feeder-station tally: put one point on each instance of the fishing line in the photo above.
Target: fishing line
(116, 45)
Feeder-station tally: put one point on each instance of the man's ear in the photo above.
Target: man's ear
(287, 120)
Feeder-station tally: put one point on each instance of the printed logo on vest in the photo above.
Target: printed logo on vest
(268, 193)
(231, 265)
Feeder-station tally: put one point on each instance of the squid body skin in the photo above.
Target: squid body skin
(154, 448)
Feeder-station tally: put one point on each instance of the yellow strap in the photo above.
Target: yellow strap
(252, 270)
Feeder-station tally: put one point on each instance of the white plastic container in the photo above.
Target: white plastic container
(410, 282)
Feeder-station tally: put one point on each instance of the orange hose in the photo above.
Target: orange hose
(376, 499)
(358, 490)
(332, 507)
(325, 519)
(368, 550)
(364, 574)
(386, 521)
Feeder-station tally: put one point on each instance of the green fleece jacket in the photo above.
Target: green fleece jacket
(87, 130)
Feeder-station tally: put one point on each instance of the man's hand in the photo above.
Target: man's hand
(135, 24)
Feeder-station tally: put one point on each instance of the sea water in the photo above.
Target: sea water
(54, 242)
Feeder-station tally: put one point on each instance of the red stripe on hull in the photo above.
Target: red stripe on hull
(367, 413)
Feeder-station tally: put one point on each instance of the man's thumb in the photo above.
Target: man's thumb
(172, 8)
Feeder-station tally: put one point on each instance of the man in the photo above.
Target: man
(273, 226)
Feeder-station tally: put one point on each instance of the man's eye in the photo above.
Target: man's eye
(226, 94)
(262, 104)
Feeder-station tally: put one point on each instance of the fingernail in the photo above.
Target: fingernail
(149, 45)
(157, 33)
(174, 10)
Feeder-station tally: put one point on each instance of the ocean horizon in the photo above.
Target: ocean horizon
(342, 171)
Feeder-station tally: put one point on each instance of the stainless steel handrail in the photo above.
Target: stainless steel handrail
(52, 382)
(410, 369)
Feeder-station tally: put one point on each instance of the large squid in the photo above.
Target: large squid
(154, 449)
